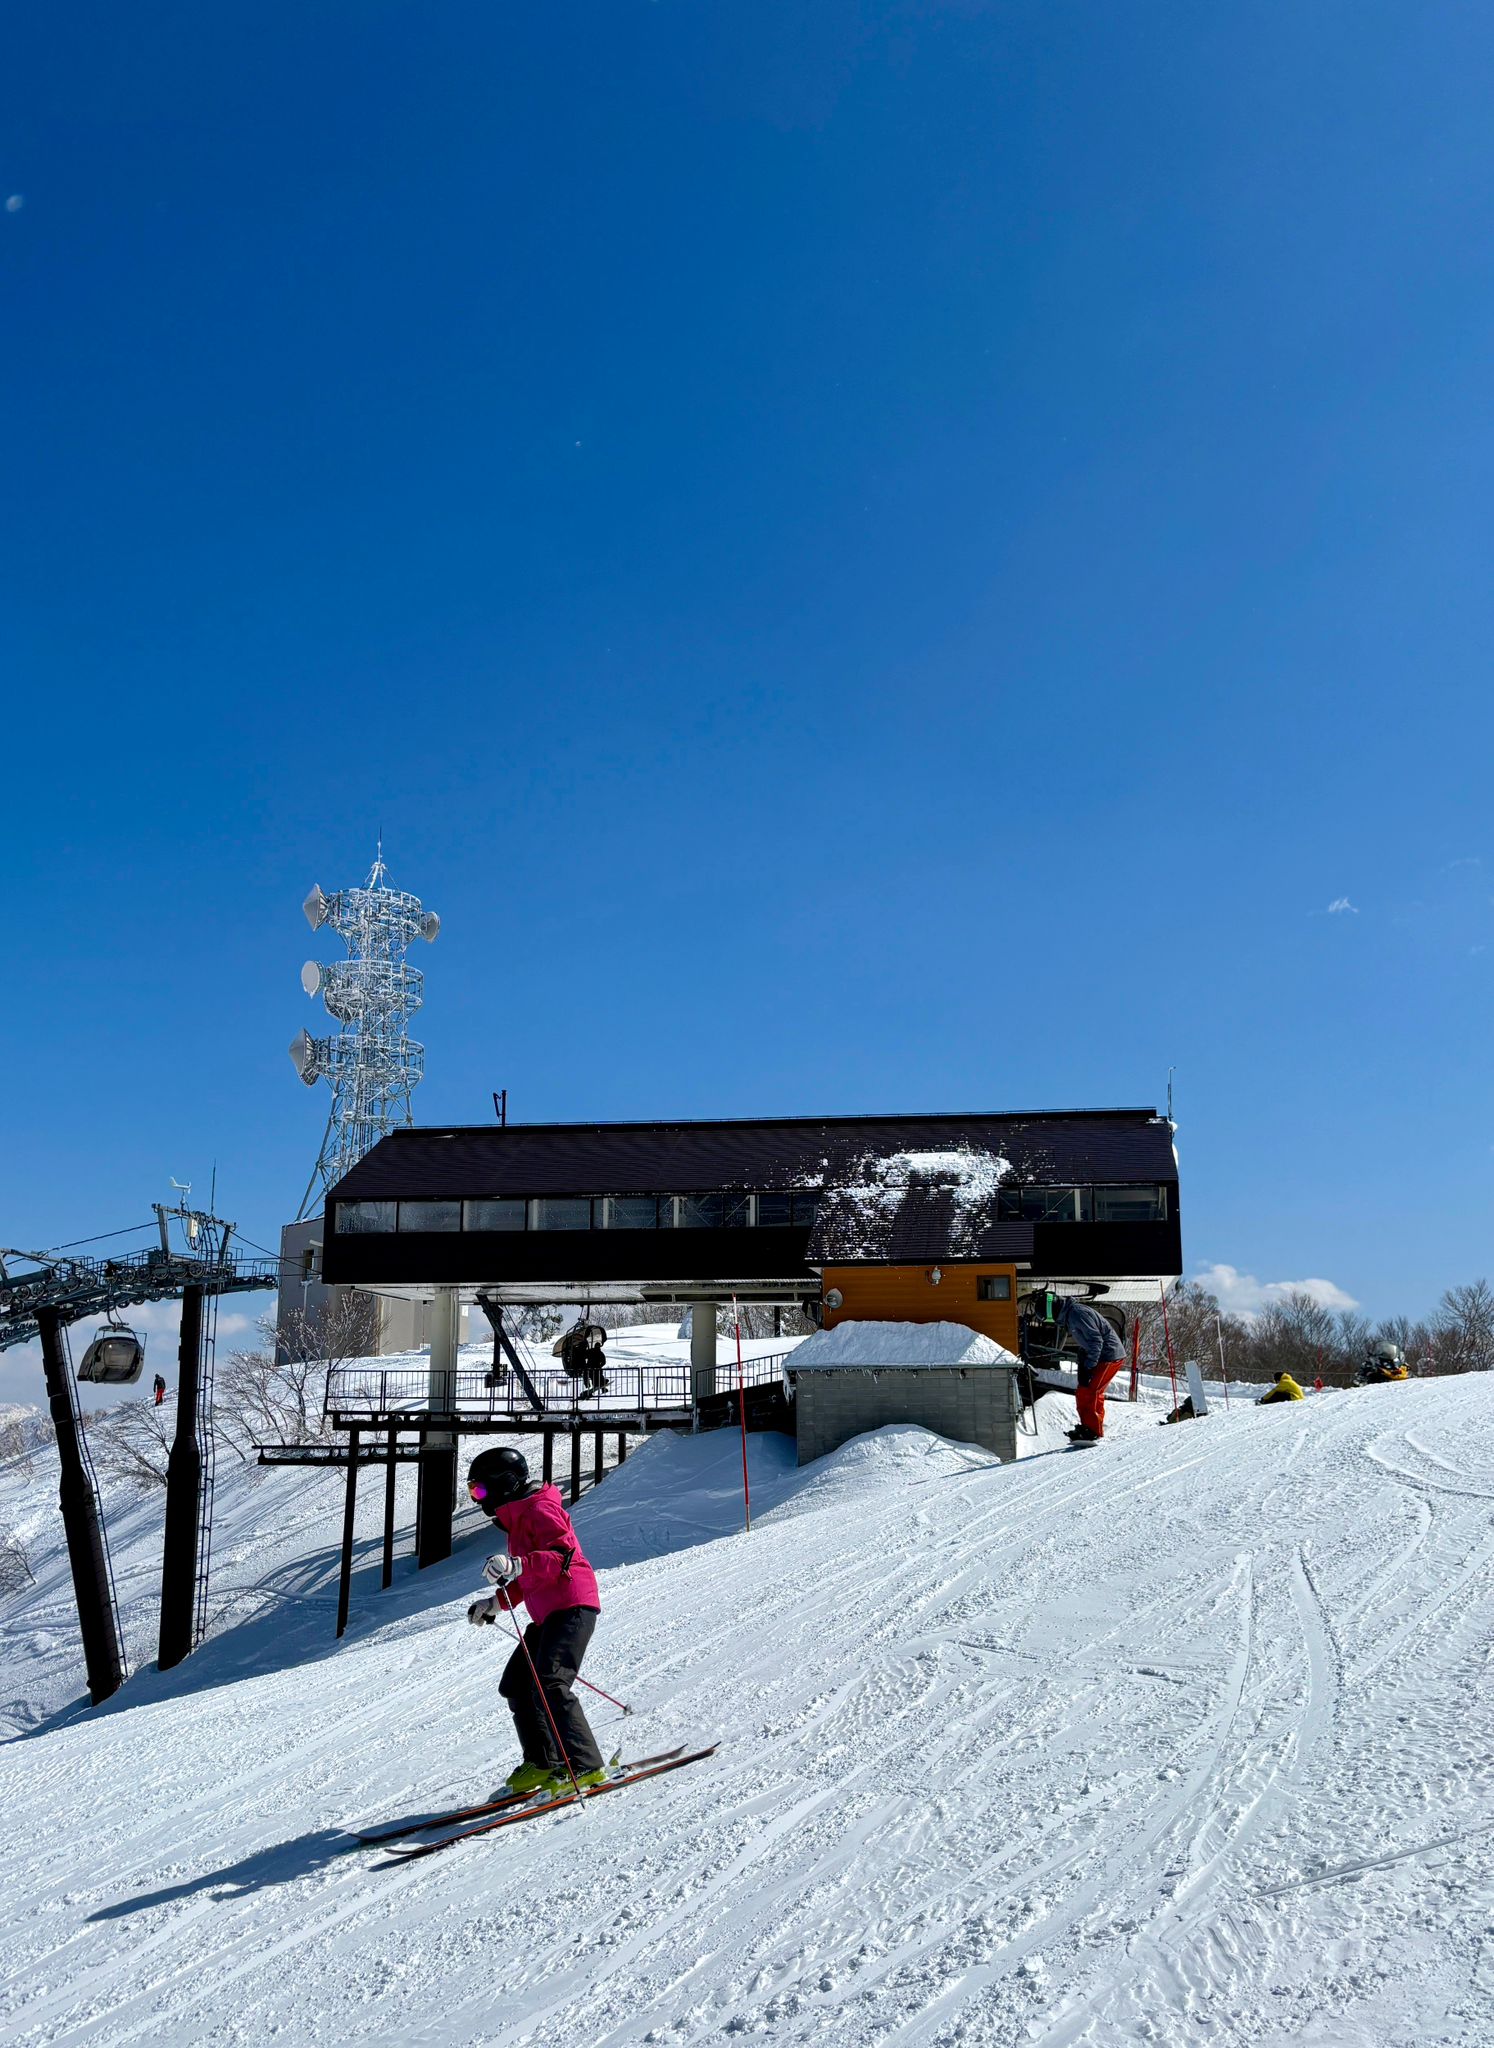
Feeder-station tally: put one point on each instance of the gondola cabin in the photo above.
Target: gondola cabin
(114, 1358)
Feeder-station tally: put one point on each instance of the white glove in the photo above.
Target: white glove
(501, 1569)
(482, 1610)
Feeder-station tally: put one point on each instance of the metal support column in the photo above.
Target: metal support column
(438, 1449)
(549, 1464)
(391, 1473)
(622, 1445)
(349, 1504)
(80, 1520)
(183, 1496)
(597, 1465)
(575, 1465)
(702, 1350)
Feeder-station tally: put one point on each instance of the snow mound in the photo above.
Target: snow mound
(904, 1345)
(680, 1490)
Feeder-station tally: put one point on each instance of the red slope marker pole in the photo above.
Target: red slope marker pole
(736, 1316)
(1223, 1368)
(544, 1702)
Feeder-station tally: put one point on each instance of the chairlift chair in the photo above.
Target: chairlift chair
(114, 1358)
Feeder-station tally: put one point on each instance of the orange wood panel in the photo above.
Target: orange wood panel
(906, 1294)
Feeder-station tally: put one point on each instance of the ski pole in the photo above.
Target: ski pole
(602, 1695)
(544, 1702)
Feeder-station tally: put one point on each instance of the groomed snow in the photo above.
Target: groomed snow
(905, 1345)
(1180, 1740)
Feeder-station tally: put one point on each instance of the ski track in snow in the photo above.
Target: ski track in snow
(1182, 1740)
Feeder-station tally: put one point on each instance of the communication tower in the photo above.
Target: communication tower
(371, 1062)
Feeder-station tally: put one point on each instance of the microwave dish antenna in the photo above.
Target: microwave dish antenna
(370, 1062)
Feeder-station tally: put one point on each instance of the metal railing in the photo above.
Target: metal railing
(630, 1389)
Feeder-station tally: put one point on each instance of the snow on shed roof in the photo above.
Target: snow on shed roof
(919, 1346)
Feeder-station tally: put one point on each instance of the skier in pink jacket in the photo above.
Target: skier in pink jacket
(544, 1569)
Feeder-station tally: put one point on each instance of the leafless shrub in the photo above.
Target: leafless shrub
(15, 1566)
(133, 1443)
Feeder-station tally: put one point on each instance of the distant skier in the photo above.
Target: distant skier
(1101, 1356)
(1285, 1389)
(160, 1390)
(544, 1568)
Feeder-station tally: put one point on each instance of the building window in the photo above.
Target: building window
(806, 1208)
(560, 1212)
(993, 1287)
(774, 1212)
(1131, 1205)
(505, 1214)
(699, 1212)
(430, 1215)
(357, 1219)
(1044, 1205)
(741, 1212)
(625, 1212)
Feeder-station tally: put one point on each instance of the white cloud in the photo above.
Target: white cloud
(1340, 904)
(15, 202)
(1243, 1295)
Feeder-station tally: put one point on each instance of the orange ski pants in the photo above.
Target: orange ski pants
(1089, 1398)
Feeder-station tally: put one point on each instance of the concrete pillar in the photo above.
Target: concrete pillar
(438, 1460)
(445, 1323)
(702, 1350)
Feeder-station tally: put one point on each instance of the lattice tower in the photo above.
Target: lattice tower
(372, 1063)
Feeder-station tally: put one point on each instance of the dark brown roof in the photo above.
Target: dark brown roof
(1061, 1147)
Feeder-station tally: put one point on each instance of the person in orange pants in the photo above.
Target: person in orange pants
(1101, 1356)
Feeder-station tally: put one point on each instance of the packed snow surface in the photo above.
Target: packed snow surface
(1182, 1739)
(897, 1344)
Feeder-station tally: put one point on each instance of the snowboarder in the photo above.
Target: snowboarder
(1285, 1389)
(1101, 1356)
(160, 1390)
(544, 1568)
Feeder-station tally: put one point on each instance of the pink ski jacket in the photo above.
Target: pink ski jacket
(542, 1540)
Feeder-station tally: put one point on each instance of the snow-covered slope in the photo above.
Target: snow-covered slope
(1184, 1739)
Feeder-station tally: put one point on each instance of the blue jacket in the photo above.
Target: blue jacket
(1097, 1341)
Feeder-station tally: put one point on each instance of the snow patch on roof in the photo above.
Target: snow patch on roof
(866, 1205)
(922, 1346)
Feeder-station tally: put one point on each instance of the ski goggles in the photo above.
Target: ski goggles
(477, 1490)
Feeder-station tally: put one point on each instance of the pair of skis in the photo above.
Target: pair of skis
(510, 1809)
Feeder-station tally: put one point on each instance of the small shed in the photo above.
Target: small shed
(944, 1376)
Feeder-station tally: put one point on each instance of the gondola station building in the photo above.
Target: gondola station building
(951, 1219)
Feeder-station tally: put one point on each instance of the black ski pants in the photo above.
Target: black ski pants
(557, 1644)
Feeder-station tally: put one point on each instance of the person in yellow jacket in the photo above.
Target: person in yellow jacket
(1285, 1389)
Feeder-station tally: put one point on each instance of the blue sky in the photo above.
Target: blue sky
(865, 557)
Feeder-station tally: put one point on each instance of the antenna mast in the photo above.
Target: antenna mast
(371, 1062)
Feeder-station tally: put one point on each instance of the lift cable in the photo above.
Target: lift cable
(128, 1231)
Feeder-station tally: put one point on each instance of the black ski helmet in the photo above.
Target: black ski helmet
(504, 1473)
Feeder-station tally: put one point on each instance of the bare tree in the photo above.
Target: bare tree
(133, 1442)
(1463, 1329)
(277, 1393)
